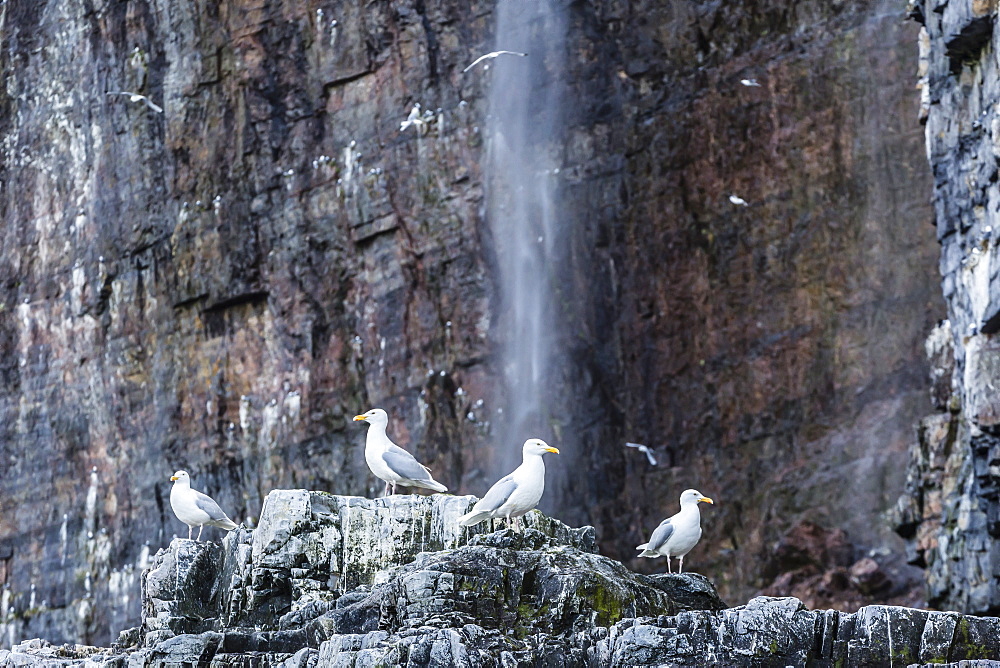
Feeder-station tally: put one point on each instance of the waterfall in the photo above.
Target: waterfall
(524, 152)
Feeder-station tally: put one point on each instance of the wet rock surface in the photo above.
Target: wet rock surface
(297, 593)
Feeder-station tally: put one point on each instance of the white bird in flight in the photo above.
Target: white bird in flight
(490, 56)
(135, 97)
(644, 449)
(413, 119)
(750, 82)
(738, 201)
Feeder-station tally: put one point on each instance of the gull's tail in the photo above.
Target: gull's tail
(645, 552)
(429, 484)
(474, 517)
(224, 523)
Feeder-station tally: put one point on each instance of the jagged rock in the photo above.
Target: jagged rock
(446, 596)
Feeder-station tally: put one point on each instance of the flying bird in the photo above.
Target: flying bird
(677, 535)
(517, 493)
(750, 82)
(413, 119)
(644, 449)
(738, 201)
(135, 97)
(491, 56)
(390, 462)
(194, 508)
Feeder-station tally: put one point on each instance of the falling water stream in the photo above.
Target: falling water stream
(523, 157)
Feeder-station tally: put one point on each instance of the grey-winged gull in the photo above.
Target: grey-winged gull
(390, 462)
(194, 508)
(677, 535)
(516, 493)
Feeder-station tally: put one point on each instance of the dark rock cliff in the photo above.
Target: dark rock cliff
(220, 286)
(951, 510)
(341, 581)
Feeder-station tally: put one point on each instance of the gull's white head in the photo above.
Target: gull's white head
(536, 446)
(694, 497)
(375, 416)
(181, 477)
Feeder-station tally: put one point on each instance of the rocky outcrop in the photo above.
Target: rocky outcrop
(220, 286)
(950, 513)
(342, 581)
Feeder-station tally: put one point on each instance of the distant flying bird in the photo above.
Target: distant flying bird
(390, 462)
(644, 449)
(413, 119)
(194, 508)
(135, 97)
(738, 201)
(677, 535)
(517, 493)
(750, 82)
(490, 56)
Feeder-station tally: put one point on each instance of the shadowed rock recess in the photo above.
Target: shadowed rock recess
(330, 580)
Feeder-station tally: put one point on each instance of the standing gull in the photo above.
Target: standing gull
(135, 97)
(492, 55)
(517, 493)
(390, 462)
(677, 535)
(194, 508)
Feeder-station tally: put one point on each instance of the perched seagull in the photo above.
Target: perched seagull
(135, 97)
(490, 56)
(517, 493)
(750, 82)
(644, 449)
(194, 508)
(738, 201)
(413, 119)
(677, 535)
(390, 462)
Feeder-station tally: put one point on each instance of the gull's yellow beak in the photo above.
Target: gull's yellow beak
(173, 477)
(707, 500)
(362, 418)
(554, 451)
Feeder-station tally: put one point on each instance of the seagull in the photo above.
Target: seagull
(194, 508)
(738, 201)
(490, 56)
(135, 97)
(413, 119)
(517, 493)
(644, 449)
(677, 535)
(752, 83)
(390, 462)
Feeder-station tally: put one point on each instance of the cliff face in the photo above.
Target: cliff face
(951, 510)
(220, 286)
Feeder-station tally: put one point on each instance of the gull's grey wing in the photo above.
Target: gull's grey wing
(208, 504)
(404, 464)
(660, 536)
(497, 495)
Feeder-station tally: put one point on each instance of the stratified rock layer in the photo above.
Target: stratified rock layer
(951, 510)
(300, 591)
(220, 286)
